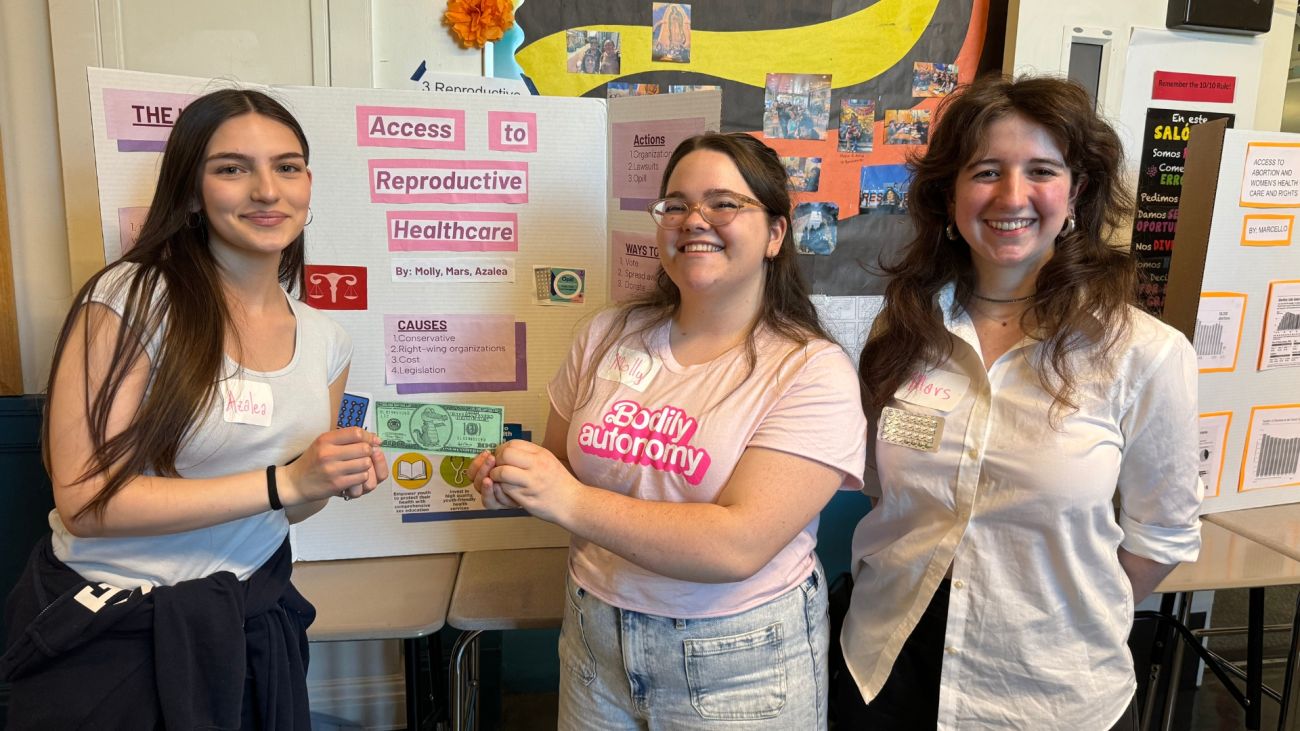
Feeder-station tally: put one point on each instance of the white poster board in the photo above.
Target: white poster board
(485, 214)
(1247, 326)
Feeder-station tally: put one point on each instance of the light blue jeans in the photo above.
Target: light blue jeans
(761, 669)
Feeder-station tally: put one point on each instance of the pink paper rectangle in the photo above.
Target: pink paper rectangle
(452, 231)
(634, 264)
(129, 222)
(639, 152)
(438, 348)
(412, 127)
(448, 181)
(520, 382)
(131, 114)
(506, 128)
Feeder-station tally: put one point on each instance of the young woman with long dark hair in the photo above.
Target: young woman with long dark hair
(188, 424)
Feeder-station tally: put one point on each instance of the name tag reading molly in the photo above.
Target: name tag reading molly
(632, 368)
(915, 431)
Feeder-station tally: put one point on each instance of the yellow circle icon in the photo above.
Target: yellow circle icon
(412, 471)
(455, 471)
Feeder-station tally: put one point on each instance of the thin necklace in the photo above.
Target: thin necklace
(1011, 301)
(1003, 321)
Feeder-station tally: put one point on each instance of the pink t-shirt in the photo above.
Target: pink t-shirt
(657, 430)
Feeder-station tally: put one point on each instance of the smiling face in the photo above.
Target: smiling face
(256, 187)
(1010, 202)
(727, 260)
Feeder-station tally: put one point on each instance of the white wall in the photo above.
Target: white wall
(33, 184)
(1036, 32)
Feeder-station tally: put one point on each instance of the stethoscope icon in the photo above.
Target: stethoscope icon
(459, 471)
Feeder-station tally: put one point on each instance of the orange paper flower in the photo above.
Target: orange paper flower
(476, 22)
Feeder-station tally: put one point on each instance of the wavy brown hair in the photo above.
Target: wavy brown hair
(785, 309)
(175, 290)
(1082, 293)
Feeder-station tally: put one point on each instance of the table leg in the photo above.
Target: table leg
(1291, 686)
(1162, 637)
(1254, 658)
(410, 659)
(1176, 669)
(464, 680)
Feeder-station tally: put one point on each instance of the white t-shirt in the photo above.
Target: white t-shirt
(1040, 609)
(657, 430)
(298, 402)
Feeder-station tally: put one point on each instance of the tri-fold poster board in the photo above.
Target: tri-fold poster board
(460, 239)
(1234, 289)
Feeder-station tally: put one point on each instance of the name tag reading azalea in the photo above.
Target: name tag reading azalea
(246, 402)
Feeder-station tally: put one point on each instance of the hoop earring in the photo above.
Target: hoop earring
(310, 216)
(1070, 225)
(194, 219)
(950, 231)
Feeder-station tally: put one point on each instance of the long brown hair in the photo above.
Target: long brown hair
(175, 290)
(1083, 291)
(785, 309)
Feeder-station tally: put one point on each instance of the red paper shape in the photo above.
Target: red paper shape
(336, 287)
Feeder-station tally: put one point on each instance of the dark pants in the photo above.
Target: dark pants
(910, 698)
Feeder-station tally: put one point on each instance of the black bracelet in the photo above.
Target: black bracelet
(272, 494)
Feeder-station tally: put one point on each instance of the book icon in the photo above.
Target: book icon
(412, 470)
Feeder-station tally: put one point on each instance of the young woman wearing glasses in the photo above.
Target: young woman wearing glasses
(694, 436)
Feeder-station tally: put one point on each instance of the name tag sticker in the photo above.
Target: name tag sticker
(631, 367)
(939, 390)
(246, 402)
(916, 431)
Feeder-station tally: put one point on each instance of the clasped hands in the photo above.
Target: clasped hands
(524, 475)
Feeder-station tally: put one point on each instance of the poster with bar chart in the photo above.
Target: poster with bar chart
(1218, 331)
(1280, 345)
(1272, 456)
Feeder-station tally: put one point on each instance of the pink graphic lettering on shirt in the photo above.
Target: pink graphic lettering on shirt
(660, 438)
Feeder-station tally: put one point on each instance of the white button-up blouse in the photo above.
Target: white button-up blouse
(1025, 515)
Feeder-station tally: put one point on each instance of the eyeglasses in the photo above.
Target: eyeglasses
(718, 209)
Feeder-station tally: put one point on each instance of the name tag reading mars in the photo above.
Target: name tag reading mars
(938, 390)
(916, 431)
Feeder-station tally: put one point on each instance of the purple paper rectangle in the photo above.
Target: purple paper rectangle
(463, 514)
(141, 145)
(634, 204)
(519, 384)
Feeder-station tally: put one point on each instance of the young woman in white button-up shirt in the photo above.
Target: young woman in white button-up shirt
(1034, 434)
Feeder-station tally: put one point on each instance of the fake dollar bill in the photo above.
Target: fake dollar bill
(459, 430)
